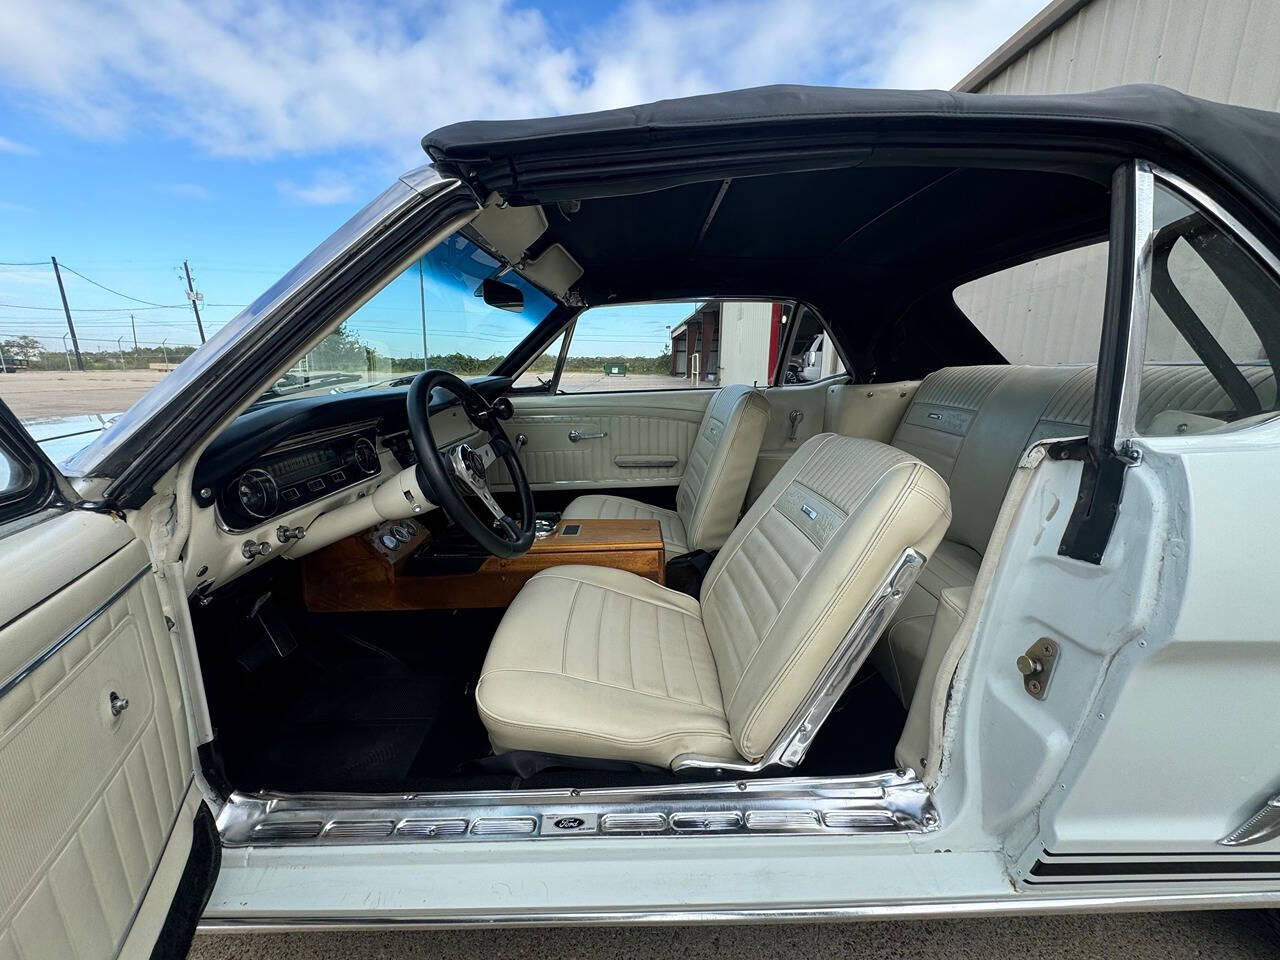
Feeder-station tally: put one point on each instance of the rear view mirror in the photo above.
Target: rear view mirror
(502, 295)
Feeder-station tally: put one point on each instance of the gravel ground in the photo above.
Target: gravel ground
(1161, 936)
(63, 393)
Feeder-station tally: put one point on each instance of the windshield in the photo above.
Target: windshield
(429, 317)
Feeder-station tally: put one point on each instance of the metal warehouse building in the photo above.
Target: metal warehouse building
(1226, 50)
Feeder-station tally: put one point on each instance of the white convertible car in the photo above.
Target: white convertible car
(980, 621)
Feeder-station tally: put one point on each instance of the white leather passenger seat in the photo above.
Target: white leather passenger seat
(590, 662)
(709, 498)
(972, 425)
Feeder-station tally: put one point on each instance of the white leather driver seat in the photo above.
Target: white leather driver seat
(715, 479)
(596, 662)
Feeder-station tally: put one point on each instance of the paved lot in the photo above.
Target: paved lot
(1128, 936)
(62, 393)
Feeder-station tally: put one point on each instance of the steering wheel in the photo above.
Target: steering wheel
(449, 477)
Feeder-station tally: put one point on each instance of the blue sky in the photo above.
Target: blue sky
(135, 134)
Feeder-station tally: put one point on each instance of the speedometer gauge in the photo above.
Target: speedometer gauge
(257, 494)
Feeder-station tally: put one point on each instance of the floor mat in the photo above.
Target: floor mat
(385, 702)
(366, 706)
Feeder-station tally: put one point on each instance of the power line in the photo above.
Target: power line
(150, 303)
(32, 306)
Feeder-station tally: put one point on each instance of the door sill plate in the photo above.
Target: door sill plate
(891, 802)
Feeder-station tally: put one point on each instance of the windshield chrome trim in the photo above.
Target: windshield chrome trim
(212, 359)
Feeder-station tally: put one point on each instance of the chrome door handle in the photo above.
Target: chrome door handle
(795, 417)
(576, 435)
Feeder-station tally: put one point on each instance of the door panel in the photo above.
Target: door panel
(808, 400)
(646, 438)
(869, 410)
(90, 797)
(872, 411)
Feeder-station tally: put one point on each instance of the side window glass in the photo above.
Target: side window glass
(673, 346)
(539, 375)
(813, 356)
(1213, 327)
(1046, 311)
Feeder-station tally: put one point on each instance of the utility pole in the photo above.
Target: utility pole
(134, 326)
(194, 298)
(67, 310)
(422, 296)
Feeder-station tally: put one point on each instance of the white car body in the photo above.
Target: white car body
(1139, 775)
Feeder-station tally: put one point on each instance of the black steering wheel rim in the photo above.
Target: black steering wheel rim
(439, 477)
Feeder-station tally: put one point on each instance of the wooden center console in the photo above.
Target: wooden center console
(367, 571)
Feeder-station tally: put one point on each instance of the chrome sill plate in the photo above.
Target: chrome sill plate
(891, 802)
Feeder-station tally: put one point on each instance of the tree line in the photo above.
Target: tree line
(29, 353)
(345, 350)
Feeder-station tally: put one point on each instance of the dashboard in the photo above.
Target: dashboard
(286, 478)
(298, 473)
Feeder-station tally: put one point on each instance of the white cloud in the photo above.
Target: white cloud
(12, 146)
(937, 42)
(261, 79)
(325, 189)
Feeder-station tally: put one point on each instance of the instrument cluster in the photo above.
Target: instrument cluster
(297, 474)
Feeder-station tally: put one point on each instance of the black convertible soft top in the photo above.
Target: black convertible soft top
(667, 142)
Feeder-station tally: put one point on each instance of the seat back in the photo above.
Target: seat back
(802, 565)
(720, 465)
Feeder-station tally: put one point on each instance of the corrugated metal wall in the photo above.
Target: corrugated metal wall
(745, 328)
(1227, 50)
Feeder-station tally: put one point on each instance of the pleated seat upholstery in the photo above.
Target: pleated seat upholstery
(592, 662)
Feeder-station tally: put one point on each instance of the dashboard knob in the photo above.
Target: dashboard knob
(251, 549)
(390, 542)
(284, 533)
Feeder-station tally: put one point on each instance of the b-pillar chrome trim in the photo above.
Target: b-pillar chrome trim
(891, 802)
(790, 746)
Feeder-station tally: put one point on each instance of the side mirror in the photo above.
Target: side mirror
(502, 295)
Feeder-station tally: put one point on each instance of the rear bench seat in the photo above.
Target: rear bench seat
(972, 425)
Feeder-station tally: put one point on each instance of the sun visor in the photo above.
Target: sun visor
(510, 230)
(554, 269)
